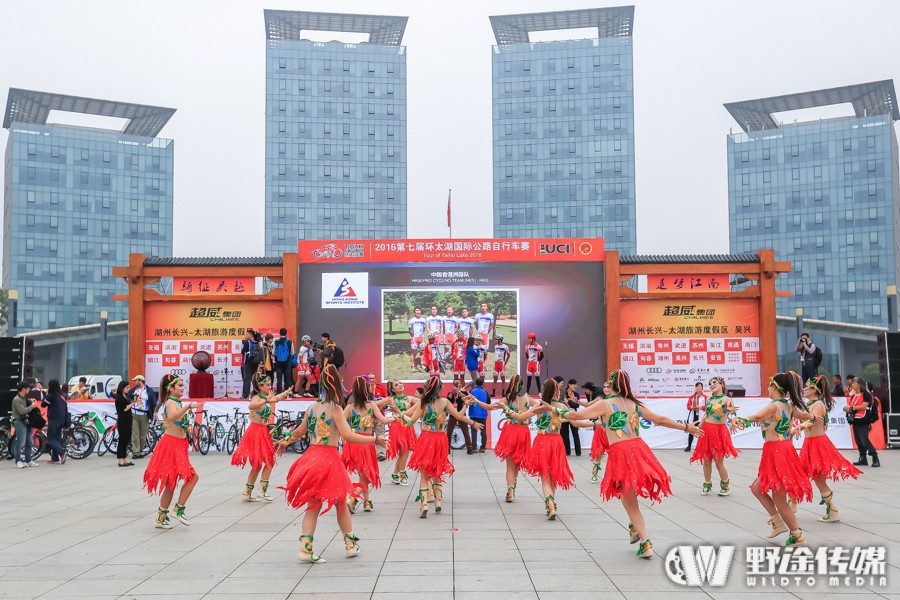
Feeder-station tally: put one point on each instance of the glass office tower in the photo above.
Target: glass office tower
(824, 194)
(77, 201)
(335, 129)
(563, 128)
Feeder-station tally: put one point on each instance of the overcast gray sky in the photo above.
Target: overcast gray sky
(207, 59)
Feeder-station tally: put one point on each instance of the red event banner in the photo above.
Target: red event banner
(687, 283)
(225, 286)
(453, 250)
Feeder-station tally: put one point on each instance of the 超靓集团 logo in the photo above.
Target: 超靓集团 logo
(686, 565)
(345, 290)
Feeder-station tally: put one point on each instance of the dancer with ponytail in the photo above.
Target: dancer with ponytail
(431, 454)
(318, 479)
(402, 437)
(514, 444)
(169, 462)
(819, 458)
(361, 413)
(547, 457)
(600, 442)
(632, 469)
(780, 476)
(716, 445)
(256, 446)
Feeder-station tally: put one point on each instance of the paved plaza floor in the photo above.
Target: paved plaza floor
(85, 530)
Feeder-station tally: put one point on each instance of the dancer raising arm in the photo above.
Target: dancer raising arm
(431, 454)
(361, 413)
(256, 445)
(169, 462)
(318, 478)
(716, 444)
(632, 469)
(819, 458)
(780, 473)
(402, 437)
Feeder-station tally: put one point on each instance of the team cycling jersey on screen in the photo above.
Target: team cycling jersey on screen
(434, 324)
(459, 349)
(465, 325)
(417, 326)
(533, 351)
(482, 353)
(450, 325)
(501, 351)
(484, 322)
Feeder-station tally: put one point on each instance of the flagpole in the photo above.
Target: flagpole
(449, 219)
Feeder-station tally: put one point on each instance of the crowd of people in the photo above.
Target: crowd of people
(321, 478)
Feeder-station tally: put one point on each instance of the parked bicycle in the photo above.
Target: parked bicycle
(7, 439)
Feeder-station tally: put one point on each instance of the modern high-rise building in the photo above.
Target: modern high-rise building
(563, 127)
(78, 200)
(824, 194)
(335, 129)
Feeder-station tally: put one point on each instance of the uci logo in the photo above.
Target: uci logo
(556, 249)
(654, 369)
(694, 567)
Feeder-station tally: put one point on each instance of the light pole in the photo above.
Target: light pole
(104, 316)
(799, 313)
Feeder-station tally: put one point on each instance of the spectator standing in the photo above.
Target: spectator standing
(269, 361)
(377, 392)
(456, 398)
(57, 411)
(249, 363)
(808, 356)
(82, 391)
(284, 349)
(143, 401)
(472, 355)
(857, 404)
(21, 406)
(839, 389)
(695, 404)
(573, 401)
(479, 415)
(124, 406)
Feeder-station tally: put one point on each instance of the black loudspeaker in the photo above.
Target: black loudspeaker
(11, 355)
(28, 358)
(889, 368)
(737, 391)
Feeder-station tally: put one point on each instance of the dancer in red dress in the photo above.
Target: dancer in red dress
(361, 413)
(600, 443)
(716, 444)
(169, 462)
(632, 470)
(547, 456)
(318, 478)
(819, 458)
(402, 437)
(431, 454)
(257, 447)
(514, 444)
(780, 476)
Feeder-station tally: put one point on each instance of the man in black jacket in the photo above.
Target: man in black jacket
(249, 364)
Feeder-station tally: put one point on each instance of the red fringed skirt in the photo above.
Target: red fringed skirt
(256, 448)
(548, 458)
(362, 459)
(318, 477)
(168, 465)
(514, 444)
(715, 443)
(401, 437)
(599, 445)
(819, 458)
(780, 471)
(632, 465)
(431, 455)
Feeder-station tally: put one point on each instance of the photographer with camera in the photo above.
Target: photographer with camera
(252, 354)
(810, 356)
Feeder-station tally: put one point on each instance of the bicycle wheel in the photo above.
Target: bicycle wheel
(457, 442)
(231, 440)
(219, 438)
(39, 444)
(5, 439)
(152, 439)
(106, 441)
(79, 443)
(203, 439)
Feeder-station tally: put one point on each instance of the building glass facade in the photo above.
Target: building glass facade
(563, 135)
(77, 201)
(335, 137)
(825, 196)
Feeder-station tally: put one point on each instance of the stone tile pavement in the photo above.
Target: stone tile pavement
(85, 530)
